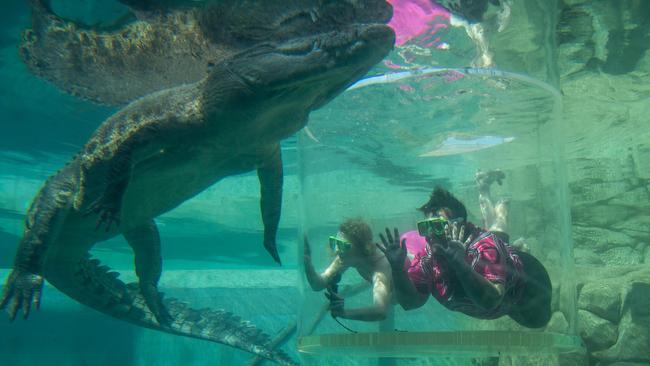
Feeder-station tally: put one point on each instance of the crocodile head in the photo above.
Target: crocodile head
(287, 79)
(241, 24)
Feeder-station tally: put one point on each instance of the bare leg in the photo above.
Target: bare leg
(495, 216)
(476, 32)
(500, 223)
(489, 212)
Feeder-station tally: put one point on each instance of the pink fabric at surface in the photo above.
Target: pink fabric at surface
(415, 244)
(414, 18)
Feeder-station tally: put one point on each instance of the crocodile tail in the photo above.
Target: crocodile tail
(36, 41)
(97, 287)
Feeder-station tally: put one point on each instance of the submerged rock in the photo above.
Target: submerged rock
(601, 299)
(596, 332)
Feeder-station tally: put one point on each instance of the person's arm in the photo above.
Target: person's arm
(405, 292)
(381, 292)
(317, 281)
(484, 293)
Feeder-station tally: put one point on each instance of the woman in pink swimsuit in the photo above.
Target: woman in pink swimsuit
(466, 268)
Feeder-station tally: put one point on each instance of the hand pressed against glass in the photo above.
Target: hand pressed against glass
(453, 244)
(393, 249)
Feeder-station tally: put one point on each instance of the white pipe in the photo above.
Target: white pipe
(404, 75)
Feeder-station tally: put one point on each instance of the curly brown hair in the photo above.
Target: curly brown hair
(358, 232)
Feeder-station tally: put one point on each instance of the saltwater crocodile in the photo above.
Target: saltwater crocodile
(166, 147)
(166, 45)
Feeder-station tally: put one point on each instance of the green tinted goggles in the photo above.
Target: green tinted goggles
(339, 245)
(434, 226)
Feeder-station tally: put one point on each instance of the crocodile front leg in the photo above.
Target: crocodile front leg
(24, 285)
(118, 165)
(145, 242)
(271, 180)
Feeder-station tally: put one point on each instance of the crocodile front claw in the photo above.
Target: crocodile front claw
(22, 290)
(108, 210)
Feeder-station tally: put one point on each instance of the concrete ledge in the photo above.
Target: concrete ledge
(215, 278)
(64, 332)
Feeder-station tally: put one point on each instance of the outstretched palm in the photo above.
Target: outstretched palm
(393, 249)
(453, 247)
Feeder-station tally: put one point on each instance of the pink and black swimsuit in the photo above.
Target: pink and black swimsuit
(488, 255)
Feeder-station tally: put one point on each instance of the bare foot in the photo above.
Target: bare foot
(485, 179)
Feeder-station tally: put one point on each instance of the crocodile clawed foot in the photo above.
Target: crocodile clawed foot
(108, 211)
(22, 290)
(153, 298)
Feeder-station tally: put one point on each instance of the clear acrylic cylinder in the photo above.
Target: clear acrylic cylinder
(431, 116)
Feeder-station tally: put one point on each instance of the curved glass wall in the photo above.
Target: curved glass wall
(436, 113)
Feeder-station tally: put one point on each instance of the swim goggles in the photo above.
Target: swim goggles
(433, 226)
(339, 245)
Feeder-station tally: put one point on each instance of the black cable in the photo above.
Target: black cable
(334, 288)
(343, 325)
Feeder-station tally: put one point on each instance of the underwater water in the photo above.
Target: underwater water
(448, 101)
